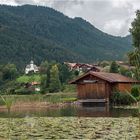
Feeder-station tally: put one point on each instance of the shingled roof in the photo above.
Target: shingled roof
(109, 77)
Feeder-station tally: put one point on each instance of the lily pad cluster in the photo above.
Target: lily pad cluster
(31, 128)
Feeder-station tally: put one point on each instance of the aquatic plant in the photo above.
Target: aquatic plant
(8, 101)
(120, 98)
(136, 62)
(138, 107)
(68, 128)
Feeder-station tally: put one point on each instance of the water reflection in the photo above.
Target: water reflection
(85, 110)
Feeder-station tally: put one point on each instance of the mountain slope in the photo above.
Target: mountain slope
(43, 33)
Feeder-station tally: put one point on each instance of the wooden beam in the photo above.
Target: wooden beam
(93, 101)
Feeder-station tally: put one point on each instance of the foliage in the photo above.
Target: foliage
(135, 61)
(68, 99)
(135, 91)
(121, 98)
(52, 98)
(25, 34)
(29, 78)
(76, 72)
(114, 67)
(125, 72)
(45, 77)
(104, 63)
(135, 30)
(44, 67)
(8, 72)
(50, 64)
(69, 88)
(71, 128)
(106, 69)
(24, 91)
(8, 101)
(44, 83)
(61, 97)
(134, 56)
(54, 85)
(64, 73)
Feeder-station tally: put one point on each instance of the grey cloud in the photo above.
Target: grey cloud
(63, 4)
(111, 16)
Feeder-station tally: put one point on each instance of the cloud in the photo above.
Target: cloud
(111, 16)
(8, 2)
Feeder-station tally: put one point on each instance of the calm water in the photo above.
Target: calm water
(85, 110)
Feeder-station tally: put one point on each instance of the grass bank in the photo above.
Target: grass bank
(50, 97)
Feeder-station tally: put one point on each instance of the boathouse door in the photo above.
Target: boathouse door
(92, 91)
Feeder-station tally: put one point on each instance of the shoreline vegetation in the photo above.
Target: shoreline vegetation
(49, 100)
(49, 97)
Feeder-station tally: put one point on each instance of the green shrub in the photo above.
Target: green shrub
(68, 99)
(121, 99)
(138, 98)
(28, 78)
(23, 91)
(60, 97)
(69, 88)
(135, 91)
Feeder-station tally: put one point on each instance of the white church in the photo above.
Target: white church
(31, 68)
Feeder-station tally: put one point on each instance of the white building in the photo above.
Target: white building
(31, 67)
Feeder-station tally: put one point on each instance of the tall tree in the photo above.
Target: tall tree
(44, 84)
(114, 67)
(64, 73)
(50, 64)
(9, 72)
(55, 84)
(44, 67)
(134, 56)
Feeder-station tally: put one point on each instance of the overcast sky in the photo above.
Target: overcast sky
(111, 16)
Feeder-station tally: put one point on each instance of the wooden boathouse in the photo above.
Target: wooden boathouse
(99, 86)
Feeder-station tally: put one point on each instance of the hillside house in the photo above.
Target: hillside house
(81, 67)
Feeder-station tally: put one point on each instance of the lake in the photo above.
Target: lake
(86, 110)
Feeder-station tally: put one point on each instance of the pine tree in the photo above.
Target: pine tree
(64, 73)
(44, 67)
(55, 84)
(44, 83)
(114, 67)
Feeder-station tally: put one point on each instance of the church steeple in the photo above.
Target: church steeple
(31, 62)
(31, 67)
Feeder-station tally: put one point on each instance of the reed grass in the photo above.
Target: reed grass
(50, 97)
(8, 102)
(138, 108)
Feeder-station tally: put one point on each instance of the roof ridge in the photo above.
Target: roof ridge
(101, 76)
(110, 77)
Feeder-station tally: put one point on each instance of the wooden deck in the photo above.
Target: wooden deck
(93, 101)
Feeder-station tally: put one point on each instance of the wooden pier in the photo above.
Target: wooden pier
(93, 101)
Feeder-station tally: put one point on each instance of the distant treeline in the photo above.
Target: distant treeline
(54, 77)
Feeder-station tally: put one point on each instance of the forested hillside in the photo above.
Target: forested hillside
(34, 32)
